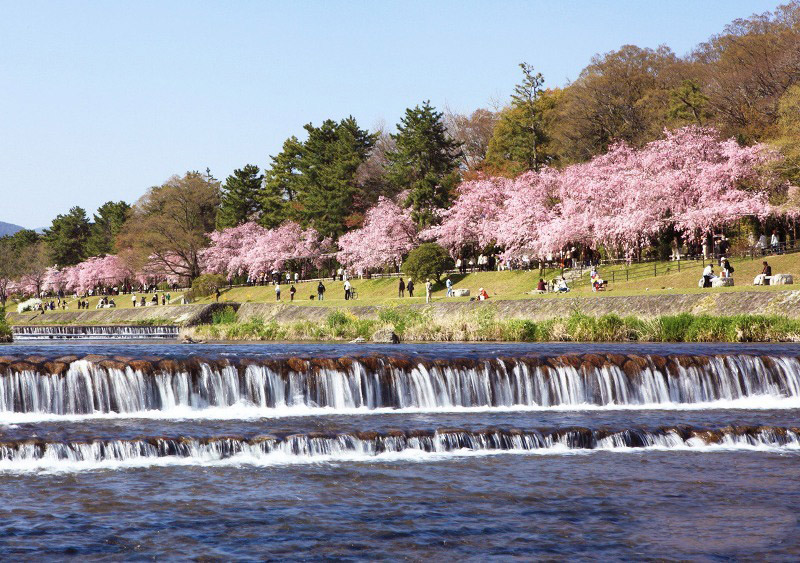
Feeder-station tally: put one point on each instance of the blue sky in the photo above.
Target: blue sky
(100, 100)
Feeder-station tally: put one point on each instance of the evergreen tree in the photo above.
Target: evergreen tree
(331, 157)
(515, 146)
(282, 181)
(315, 182)
(239, 197)
(67, 237)
(424, 162)
(107, 223)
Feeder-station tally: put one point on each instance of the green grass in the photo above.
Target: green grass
(483, 325)
(518, 284)
(5, 330)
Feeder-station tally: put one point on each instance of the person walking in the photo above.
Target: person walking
(292, 291)
(163, 299)
(775, 242)
(427, 291)
(320, 291)
(168, 298)
(133, 299)
(449, 284)
(347, 290)
(277, 292)
(296, 277)
(217, 294)
(401, 289)
(410, 287)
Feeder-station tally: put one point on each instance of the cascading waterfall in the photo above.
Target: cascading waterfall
(93, 332)
(371, 444)
(96, 384)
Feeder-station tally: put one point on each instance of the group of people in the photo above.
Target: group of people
(726, 272)
(105, 302)
(404, 287)
(349, 291)
(773, 244)
(165, 299)
(558, 285)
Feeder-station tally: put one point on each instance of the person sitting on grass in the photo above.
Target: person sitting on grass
(482, 295)
(561, 285)
(541, 287)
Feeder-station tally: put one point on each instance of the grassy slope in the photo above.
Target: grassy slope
(122, 301)
(516, 285)
(502, 285)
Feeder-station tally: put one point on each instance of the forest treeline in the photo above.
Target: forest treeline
(744, 82)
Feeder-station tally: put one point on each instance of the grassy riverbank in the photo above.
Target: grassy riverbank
(483, 325)
(5, 330)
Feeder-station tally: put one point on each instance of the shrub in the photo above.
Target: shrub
(224, 316)
(428, 260)
(520, 330)
(401, 318)
(207, 284)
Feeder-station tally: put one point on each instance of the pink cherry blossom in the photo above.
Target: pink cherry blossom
(388, 234)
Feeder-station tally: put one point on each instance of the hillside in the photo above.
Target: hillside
(9, 228)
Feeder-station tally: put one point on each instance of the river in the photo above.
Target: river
(255, 451)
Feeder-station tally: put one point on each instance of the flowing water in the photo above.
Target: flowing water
(153, 450)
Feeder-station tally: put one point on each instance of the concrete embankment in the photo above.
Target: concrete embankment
(181, 315)
(785, 303)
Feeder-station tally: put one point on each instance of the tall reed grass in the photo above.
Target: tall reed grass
(484, 325)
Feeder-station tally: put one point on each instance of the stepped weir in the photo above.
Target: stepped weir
(93, 332)
(72, 385)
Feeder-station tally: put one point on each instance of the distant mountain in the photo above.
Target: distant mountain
(9, 229)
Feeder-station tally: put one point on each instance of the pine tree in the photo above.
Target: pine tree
(67, 236)
(281, 185)
(107, 223)
(239, 197)
(425, 162)
(331, 157)
(314, 182)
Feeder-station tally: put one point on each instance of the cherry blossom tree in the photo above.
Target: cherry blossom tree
(388, 234)
(474, 217)
(255, 251)
(226, 252)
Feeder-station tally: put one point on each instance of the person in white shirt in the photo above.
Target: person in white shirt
(428, 291)
(346, 290)
(708, 274)
(449, 284)
(775, 242)
(277, 292)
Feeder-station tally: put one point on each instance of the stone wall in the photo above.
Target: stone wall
(538, 308)
(184, 315)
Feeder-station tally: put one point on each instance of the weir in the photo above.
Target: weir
(371, 444)
(93, 332)
(99, 384)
